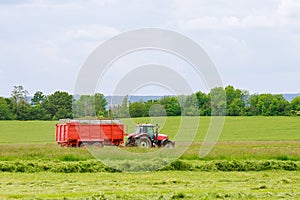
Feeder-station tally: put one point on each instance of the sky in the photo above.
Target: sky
(255, 45)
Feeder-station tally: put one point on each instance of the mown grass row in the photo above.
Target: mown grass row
(96, 166)
(246, 150)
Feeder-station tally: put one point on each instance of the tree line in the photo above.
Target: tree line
(61, 105)
(238, 103)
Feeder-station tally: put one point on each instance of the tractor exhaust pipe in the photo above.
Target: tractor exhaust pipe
(156, 132)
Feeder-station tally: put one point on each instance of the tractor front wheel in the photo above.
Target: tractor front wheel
(169, 145)
(143, 142)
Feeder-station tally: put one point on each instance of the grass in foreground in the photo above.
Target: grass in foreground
(155, 185)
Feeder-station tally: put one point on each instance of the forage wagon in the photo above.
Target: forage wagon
(97, 133)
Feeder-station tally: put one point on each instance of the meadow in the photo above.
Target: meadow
(242, 138)
(256, 128)
(154, 185)
(255, 158)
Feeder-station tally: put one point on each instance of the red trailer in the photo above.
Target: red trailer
(83, 133)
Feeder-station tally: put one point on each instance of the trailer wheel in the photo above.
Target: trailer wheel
(97, 145)
(169, 145)
(84, 145)
(143, 142)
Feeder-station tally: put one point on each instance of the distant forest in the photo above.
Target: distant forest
(60, 105)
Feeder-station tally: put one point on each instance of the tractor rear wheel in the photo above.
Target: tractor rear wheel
(169, 145)
(144, 142)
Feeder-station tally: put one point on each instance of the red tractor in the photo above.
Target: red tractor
(145, 136)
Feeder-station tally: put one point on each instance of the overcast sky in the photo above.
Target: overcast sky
(255, 44)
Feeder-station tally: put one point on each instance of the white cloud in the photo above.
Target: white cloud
(92, 32)
(289, 8)
(226, 22)
(189, 9)
(104, 2)
(47, 4)
(246, 37)
(52, 38)
(289, 16)
(58, 4)
(285, 14)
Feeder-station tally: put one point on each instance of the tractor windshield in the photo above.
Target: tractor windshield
(144, 129)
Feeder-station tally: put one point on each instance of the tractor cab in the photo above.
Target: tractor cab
(145, 128)
(146, 135)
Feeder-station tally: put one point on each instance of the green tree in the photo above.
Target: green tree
(268, 105)
(235, 108)
(230, 94)
(123, 111)
(20, 107)
(204, 104)
(84, 107)
(171, 105)
(218, 101)
(59, 105)
(190, 106)
(138, 109)
(295, 106)
(19, 94)
(5, 111)
(235, 101)
(90, 106)
(23, 108)
(100, 105)
(154, 109)
(253, 102)
(38, 98)
(37, 112)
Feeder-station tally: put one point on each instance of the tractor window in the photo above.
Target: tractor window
(150, 130)
(137, 130)
(145, 129)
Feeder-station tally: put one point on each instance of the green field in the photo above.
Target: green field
(241, 138)
(235, 129)
(14, 132)
(267, 149)
(154, 185)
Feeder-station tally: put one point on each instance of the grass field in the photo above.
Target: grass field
(154, 185)
(242, 138)
(267, 148)
(14, 132)
(235, 129)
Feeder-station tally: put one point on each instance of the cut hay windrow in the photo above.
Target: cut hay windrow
(96, 166)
